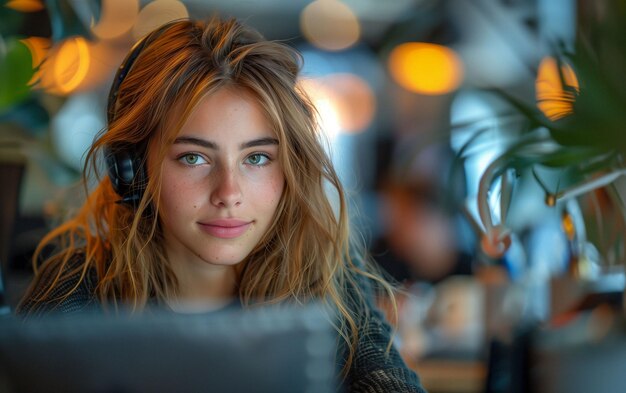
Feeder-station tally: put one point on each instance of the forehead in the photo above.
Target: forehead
(228, 111)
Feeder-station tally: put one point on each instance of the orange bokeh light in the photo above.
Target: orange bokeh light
(66, 66)
(25, 5)
(354, 100)
(553, 99)
(346, 102)
(426, 68)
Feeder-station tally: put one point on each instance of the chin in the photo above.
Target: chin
(224, 260)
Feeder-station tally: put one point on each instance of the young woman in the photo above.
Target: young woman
(217, 189)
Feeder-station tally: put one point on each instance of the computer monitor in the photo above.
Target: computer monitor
(260, 350)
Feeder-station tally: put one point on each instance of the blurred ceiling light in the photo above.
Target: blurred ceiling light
(75, 65)
(71, 64)
(353, 99)
(330, 25)
(425, 68)
(118, 17)
(323, 100)
(346, 102)
(553, 99)
(102, 57)
(158, 13)
(25, 5)
(66, 66)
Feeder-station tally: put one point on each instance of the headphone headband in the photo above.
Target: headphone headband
(127, 65)
(120, 75)
(125, 163)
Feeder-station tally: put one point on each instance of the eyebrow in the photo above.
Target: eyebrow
(212, 145)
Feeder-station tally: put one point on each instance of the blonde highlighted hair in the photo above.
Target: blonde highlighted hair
(306, 253)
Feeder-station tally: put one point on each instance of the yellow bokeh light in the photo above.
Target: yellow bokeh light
(354, 100)
(118, 17)
(426, 68)
(101, 54)
(346, 102)
(330, 25)
(75, 65)
(25, 5)
(71, 64)
(66, 66)
(158, 13)
(323, 100)
(568, 226)
(554, 100)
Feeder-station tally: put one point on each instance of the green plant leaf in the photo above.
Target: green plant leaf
(15, 72)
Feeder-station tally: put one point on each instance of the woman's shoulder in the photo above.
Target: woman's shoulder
(377, 365)
(64, 288)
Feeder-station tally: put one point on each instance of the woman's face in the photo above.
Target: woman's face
(221, 182)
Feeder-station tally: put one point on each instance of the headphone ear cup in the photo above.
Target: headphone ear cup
(127, 174)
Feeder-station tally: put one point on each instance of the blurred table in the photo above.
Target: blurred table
(450, 375)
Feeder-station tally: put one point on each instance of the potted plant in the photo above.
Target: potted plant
(575, 127)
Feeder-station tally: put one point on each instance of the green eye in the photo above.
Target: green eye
(191, 159)
(257, 159)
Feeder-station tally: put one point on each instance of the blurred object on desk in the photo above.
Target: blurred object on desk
(585, 353)
(442, 321)
(441, 334)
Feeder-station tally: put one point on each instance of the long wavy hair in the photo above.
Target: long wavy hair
(307, 252)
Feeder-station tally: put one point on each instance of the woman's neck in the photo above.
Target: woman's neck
(203, 287)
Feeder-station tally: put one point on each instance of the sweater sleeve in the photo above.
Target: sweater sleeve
(62, 298)
(374, 368)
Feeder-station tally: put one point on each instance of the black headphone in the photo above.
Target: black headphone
(125, 161)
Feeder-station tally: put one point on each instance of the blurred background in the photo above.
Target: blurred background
(480, 141)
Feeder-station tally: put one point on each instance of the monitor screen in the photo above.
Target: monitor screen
(258, 350)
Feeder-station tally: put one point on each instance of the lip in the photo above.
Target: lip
(225, 228)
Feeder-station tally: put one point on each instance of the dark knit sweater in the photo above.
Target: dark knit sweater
(373, 369)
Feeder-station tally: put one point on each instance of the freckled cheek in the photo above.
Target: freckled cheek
(276, 190)
(266, 190)
(180, 193)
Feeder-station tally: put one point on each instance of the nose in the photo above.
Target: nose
(226, 190)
